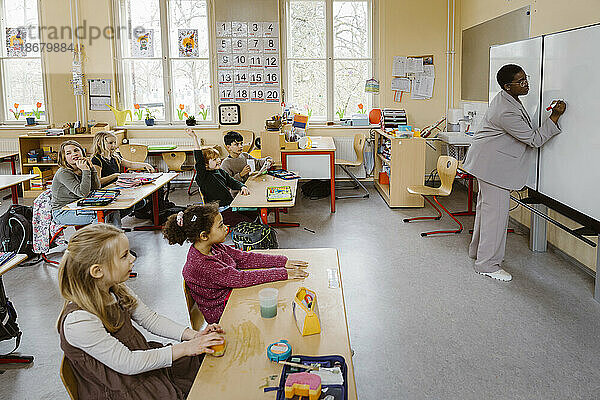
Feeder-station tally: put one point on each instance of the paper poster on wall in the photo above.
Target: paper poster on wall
(255, 60)
(225, 76)
(272, 95)
(224, 60)
(16, 39)
(142, 43)
(271, 76)
(255, 45)
(271, 45)
(255, 29)
(223, 45)
(401, 84)
(414, 65)
(242, 94)
(224, 29)
(240, 60)
(257, 94)
(77, 81)
(399, 66)
(239, 29)
(239, 45)
(257, 76)
(99, 87)
(270, 29)
(226, 92)
(188, 42)
(271, 60)
(241, 77)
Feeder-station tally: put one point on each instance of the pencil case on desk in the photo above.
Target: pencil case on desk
(306, 313)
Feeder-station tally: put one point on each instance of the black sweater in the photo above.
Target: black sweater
(214, 184)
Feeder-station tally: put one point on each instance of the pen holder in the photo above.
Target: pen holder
(306, 314)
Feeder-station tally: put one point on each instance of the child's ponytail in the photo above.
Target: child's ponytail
(189, 224)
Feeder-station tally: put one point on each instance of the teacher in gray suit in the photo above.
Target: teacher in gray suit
(497, 158)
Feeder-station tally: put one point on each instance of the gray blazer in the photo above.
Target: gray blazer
(498, 154)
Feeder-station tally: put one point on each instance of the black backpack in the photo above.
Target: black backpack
(165, 208)
(253, 235)
(16, 230)
(8, 319)
(316, 189)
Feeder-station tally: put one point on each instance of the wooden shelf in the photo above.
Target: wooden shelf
(384, 190)
(40, 164)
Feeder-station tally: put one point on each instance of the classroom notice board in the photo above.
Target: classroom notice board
(568, 164)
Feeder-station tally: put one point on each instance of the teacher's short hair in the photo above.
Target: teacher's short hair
(507, 73)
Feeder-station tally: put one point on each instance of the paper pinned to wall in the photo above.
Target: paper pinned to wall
(423, 87)
(428, 71)
(414, 65)
(399, 66)
(401, 84)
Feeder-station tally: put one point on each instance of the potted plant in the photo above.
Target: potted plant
(149, 118)
(190, 121)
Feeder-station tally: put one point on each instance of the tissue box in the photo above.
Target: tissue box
(306, 313)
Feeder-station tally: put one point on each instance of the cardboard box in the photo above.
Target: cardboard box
(99, 127)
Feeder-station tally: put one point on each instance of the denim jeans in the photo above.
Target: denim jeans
(72, 217)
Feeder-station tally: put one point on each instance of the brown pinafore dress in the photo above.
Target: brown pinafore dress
(97, 381)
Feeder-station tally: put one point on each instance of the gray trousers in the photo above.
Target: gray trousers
(489, 232)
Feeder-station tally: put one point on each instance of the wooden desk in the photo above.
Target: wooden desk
(11, 181)
(317, 162)
(16, 260)
(10, 156)
(243, 368)
(258, 198)
(130, 197)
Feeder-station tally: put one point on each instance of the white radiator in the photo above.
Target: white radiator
(344, 149)
(157, 160)
(8, 146)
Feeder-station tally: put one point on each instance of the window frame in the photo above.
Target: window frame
(329, 55)
(166, 60)
(23, 122)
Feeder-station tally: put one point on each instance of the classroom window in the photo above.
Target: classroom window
(165, 59)
(22, 85)
(329, 57)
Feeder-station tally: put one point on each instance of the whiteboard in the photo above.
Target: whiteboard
(528, 54)
(570, 161)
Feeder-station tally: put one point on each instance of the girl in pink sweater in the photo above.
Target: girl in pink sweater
(213, 269)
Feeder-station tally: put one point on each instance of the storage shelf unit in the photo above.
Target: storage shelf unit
(407, 167)
(32, 142)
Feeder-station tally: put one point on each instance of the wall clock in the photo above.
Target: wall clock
(229, 114)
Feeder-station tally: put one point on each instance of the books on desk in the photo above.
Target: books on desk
(283, 174)
(6, 257)
(281, 193)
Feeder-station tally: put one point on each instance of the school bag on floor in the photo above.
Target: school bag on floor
(253, 235)
(8, 320)
(316, 189)
(16, 230)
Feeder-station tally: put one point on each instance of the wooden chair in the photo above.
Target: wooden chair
(68, 378)
(196, 318)
(446, 169)
(248, 138)
(359, 146)
(175, 161)
(134, 152)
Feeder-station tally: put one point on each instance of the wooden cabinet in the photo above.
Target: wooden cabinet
(404, 160)
(33, 142)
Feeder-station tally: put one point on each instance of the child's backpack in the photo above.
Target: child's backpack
(253, 235)
(8, 319)
(16, 230)
(316, 189)
(165, 208)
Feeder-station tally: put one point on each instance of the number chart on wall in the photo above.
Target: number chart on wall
(248, 62)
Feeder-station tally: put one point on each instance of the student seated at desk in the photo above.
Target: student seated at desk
(106, 160)
(236, 164)
(111, 359)
(75, 179)
(215, 184)
(213, 269)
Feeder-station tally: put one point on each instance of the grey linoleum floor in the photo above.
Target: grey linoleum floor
(422, 324)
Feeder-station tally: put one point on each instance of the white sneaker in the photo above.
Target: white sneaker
(500, 275)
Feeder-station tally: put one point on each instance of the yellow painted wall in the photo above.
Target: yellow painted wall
(547, 16)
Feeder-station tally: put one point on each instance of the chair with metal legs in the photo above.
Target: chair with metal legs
(359, 146)
(446, 168)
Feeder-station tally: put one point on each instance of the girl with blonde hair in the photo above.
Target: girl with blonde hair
(109, 356)
(106, 160)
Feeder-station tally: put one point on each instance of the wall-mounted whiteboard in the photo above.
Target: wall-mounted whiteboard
(528, 54)
(570, 162)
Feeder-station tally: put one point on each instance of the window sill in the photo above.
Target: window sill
(167, 127)
(9, 127)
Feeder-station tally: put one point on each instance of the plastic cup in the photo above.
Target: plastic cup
(268, 302)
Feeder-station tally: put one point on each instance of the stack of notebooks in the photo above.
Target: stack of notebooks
(6, 257)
